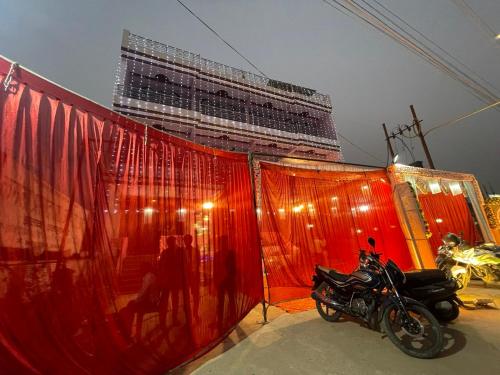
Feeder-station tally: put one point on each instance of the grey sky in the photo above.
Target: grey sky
(371, 78)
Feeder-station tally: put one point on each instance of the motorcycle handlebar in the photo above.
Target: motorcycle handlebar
(367, 259)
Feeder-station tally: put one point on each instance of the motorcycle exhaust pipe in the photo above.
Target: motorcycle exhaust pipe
(329, 302)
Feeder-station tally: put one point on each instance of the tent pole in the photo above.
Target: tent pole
(254, 204)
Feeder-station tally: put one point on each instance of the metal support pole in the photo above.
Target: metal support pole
(254, 204)
(388, 140)
(416, 122)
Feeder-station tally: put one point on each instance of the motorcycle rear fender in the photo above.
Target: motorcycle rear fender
(391, 300)
(432, 293)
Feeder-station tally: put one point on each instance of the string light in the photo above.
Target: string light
(220, 106)
(208, 205)
(364, 208)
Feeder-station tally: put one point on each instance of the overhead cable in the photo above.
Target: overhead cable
(256, 68)
(416, 46)
(469, 12)
(221, 38)
(455, 59)
(463, 117)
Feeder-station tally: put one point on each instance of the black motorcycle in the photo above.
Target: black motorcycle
(435, 290)
(371, 293)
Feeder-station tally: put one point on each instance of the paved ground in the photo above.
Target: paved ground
(305, 344)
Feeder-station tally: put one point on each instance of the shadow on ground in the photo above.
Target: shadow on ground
(305, 344)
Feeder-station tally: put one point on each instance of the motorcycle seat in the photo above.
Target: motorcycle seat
(424, 277)
(333, 274)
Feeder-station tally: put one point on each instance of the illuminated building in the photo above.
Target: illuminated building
(216, 105)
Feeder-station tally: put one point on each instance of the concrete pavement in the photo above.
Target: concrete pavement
(306, 344)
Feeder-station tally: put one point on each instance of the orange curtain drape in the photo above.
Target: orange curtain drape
(313, 217)
(120, 252)
(448, 213)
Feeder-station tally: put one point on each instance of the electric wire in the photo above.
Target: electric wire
(406, 146)
(380, 27)
(256, 68)
(485, 81)
(221, 38)
(359, 148)
(414, 45)
(462, 117)
(439, 59)
(469, 12)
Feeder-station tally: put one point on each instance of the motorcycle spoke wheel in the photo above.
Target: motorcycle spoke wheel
(327, 313)
(419, 336)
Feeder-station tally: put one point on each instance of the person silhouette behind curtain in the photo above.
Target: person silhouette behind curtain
(192, 255)
(171, 275)
(147, 300)
(225, 282)
(63, 300)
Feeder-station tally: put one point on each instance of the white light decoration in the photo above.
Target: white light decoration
(310, 226)
(207, 205)
(434, 187)
(455, 188)
(148, 210)
(182, 211)
(439, 220)
(298, 209)
(232, 106)
(364, 207)
(281, 210)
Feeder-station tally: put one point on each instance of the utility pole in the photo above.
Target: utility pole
(416, 122)
(388, 140)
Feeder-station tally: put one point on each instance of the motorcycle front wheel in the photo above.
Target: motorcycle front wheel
(417, 334)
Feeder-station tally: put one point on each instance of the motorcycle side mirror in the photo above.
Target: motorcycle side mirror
(371, 241)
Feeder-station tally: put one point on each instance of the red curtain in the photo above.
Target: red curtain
(313, 217)
(120, 251)
(448, 213)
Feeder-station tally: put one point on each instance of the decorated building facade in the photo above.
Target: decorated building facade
(219, 106)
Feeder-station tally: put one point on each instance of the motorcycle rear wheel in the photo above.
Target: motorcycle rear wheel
(329, 314)
(427, 343)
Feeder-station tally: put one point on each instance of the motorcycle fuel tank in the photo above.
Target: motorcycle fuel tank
(362, 279)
